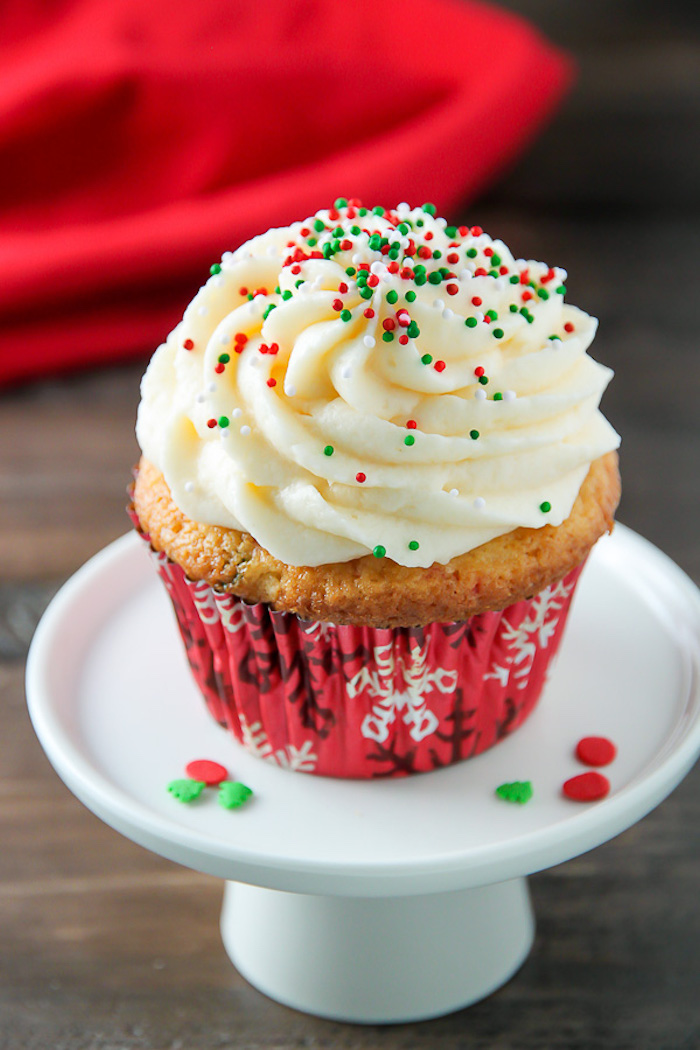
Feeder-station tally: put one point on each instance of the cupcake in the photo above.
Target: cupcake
(373, 465)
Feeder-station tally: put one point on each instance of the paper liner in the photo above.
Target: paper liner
(350, 701)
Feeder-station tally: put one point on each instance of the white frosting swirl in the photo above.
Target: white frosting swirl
(332, 408)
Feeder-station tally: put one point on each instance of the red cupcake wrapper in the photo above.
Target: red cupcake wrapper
(363, 702)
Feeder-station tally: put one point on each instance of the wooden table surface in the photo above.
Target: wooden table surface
(102, 944)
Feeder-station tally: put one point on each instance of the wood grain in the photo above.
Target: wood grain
(104, 946)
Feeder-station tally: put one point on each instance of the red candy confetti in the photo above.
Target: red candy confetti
(360, 477)
(337, 304)
(212, 773)
(439, 366)
(586, 787)
(188, 344)
(595, 751)
(411, 424)
(568, 327)
(272, 382)
(211, 423)
(476, 300)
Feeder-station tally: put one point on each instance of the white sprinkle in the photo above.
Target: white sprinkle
(202, 311)
(447, 314)
(201, 398)
(402, 208)
(509, 395)
(245, 430)
(189, 486)
(237, 413)
(357, 258)
(438, 304)
(290, 390)
(480, 394)
(217, 280)
(379, 268)
(465, 275)
(227, 257)
(211, 388)
(347, 372)
(442, 223)
(369, 341)
(479, 316)
(224, 433)
(225, 338)
(453, 492)
(479, 503)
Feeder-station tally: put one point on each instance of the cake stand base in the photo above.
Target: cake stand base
(378, 960)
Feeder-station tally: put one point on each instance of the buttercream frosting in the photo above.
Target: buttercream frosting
(373, 381)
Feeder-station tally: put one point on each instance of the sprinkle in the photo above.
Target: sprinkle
(345, 315)
(233, 794)
(211, 423)
(224, 359)
(290, 390)
(453, 492)
(186, 790)
(438, 304)
(360, 478)
(388, 337)
(237, 413)
(426, 359)
(497, 333)
(545, 507)
(595, 750)
(410, 296)
(413, 330)
(479, 503)
(212, 773)
(498, 396)
(223, 421)
(586, 787)
(409, 440)
(447, 314)
(369, 312)
(479, 394)
(451, 289)
(411, 424)
(337, 304)
(389, 324)
(568, 327)
(188, 344)
(392, 296)
(479, 371)
(245, 430)
(519, 791)
(471, 322)
(474, 434)
(379, 551)
(214, 269)
(271, 382)
(413, 545)
(430, 209)
(483, 380)
(439, 366)
(369, 341)
(189, 486)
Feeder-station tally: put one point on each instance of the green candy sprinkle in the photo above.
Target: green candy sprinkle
(561, 290)
(513, 308)
(495, 260)
(420, 222)
(378, 210)
(186, 790)
(471, 322)
(224, 359)
(492, 314)
(498, 333)
(474, 434)
(269, 309)
(362, 212)
(388, 337)
(328, 450)
(437, 254)
(365, 292)
(409, 440)
(545, 507)
(340, 202)
(514, 279)
(451, 232)
(375, 242)
(472, 253)
(413, 545)
(413, 330)
(519, 791)
(403, 227)
(223, 421)
(420, 279)
(543, 293)
(214, 269)
(345, 315)
(233, 794)
(430, 208)
(319, 225)
(393, 254)
(435, 277)
(483, 380)
(494, 273)
(379, 551)
(498, 396)
(350, 271)
(355, 231)
(392, 296)
(426, 359)
(410, 296)
(312, 241)
(298, 284)
(286, 295)
(338, 231)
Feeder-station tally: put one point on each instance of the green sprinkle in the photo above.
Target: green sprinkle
(543, 293)
(426, 359)
(298, 284)
(388, 337)
(513, 308)
(413, 545)
(472, 253)
(514, 279)
(345, 315)
(286, 295)
(365, 292)
(451, 232)
(435, 277)
(413, 330)
(328, 450)
(403, 227)
(350, 271)
(495, 260)
(553, 337)
(392, 296)
(223, 421)
(437, 254)
(319, 225)
(379, 551)
(430, 208)
(474, 434)
(483, 380)
(393, 254)
(545, 507)
(498, 396)
(561, 290)
(494, 273)
(471, 322)
(410, 296)
(419, 268)
(233, 794)
(355, 231)
(443, 269)
(378, 210)
(420, 278)
(409, 440)
(340, 202)
(249, 296)
(492, 314)
(375, 242)
(498, 333)
(269, 309)
(216, 268)
(335, 245)
(278, 290)
(420, 222)
(362, 277)
(186, 790)
(519, 791)
(327, 251)
(224, 359)
(362, 212)
(312, 241)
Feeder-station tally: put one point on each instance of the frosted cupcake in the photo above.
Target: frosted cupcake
(373, 466)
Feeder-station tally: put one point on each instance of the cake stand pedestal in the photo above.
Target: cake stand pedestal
(371, 901)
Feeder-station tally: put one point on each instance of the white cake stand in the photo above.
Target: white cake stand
(371, 901)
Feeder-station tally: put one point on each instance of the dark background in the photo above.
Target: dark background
(107, 946)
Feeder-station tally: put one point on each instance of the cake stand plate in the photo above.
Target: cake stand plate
(384, 900)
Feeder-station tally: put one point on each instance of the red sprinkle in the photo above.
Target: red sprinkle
(243, 291)
(476, 231)
(305, 231)
(393, 266)
(272, 382)
(369, 312)
(373, 281)
(212, 773)
(220, 368)
(389, 324)
(488, 252)
(595, 750)
(453, 258)
(273, 348)
(480, 272)
(296, 269)
(586, 787)
(411, 424)
(451, 289)
(463, 231)
(211, 423)
(503, 269)
(188, 344)
(424, 252)
(476, 300)
(526, 296)
(439, 366)
(403, 339)
(337, 304)
(360, 477)
(342, 287)
(478, 371)
(241, 337)
(428, 236)
(568, 327)
(346, 245)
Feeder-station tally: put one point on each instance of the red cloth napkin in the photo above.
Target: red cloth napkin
(138, 141)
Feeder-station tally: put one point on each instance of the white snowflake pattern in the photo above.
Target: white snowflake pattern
(255, 740)
(533, 633)
(410, 701)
